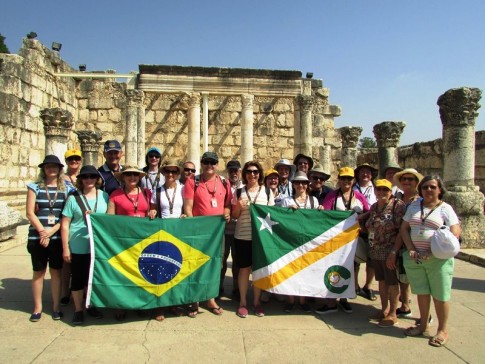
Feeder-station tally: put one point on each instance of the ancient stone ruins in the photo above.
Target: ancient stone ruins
(46, 107)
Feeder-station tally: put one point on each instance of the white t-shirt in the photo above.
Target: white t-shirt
(421, 232)
(368, 192)
(167, 198)
(290, 201)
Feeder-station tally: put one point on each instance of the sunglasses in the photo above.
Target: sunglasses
(211, 162)
(172, 171)
(131, 174)
(153, 156)
(191, 170)
(345, 178)
(300, 182)
(252, 171)
(317, 178)
(233, 170)
(72, 159)
(408, 179)
(429, 187)
(90, 176)
(382, 189)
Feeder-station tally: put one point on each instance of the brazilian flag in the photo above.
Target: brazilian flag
(138, 263)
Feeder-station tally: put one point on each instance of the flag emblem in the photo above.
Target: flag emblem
(336, 279)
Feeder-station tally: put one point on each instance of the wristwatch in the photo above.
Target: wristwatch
(393, 251)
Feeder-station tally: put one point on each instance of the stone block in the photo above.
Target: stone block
(83, 115)
(102, 115)
(114, 115)
(100, 103)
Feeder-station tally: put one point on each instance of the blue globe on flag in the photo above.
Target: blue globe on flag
(160, 262)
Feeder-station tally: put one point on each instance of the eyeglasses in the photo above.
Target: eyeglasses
(191, 170)
(318, 178)
(172, 171)
(429, 187)
(408, 179)
(252, 171)
(382, 189)
(211, 162)
(73, 159)
(131, 174)
(90, 176)
(272, 177)
(154, 156)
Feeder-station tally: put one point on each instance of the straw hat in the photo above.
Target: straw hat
(171, 163)
(127, 169)
(318, 169)
(412, 171)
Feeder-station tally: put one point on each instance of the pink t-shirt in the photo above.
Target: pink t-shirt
(125, 205)
(210, 198)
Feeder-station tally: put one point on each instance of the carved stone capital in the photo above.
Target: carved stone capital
(350, 136)
(306, 102)
(247, 101)
(89, 140)
(57, 122)
(459, 106)
(388, 133)
(194, 99)
(134, 97)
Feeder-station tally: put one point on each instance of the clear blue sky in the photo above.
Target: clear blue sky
(382, 59)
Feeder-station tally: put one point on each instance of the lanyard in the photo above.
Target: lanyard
(304, 203)
(51, 202)
(132, 200)
(284, 188)
(170, 203)
(249, 197)
(86, 203)
(346, 204)
(423, 217)
(215, 186)
(153, 184)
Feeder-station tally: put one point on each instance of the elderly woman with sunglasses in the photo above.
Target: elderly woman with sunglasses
(75, 237)
(428, 275)
(382, 223)
(129, 200)
(253, 192)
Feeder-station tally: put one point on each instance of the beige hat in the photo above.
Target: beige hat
(412, 171)
(171, 163)
(127, 169)
(318, 169)
(300, 176)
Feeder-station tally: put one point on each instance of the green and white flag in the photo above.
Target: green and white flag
(304, 252)
(138, 263)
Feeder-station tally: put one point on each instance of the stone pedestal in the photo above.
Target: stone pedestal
(193, 116)
(350, 138)
(306, 124)
(9, 220)
(247, 128)
(134, 99)
(57, 126)
(458, 112)
(387, 136)
(89, 141)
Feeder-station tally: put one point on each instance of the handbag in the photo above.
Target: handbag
(444, 245)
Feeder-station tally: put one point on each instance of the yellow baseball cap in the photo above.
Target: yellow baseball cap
(72, 153)
(346, 172)
(383, 183)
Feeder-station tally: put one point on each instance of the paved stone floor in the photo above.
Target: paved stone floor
(276, 338)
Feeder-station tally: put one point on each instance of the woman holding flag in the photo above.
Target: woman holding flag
(252, 192)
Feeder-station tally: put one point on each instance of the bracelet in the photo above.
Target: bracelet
(393, 251)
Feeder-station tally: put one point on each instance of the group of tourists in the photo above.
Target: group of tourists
(398, 215)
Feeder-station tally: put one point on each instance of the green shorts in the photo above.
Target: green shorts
(433, 276)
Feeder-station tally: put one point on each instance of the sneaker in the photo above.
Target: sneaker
(242, 312)
(258, 311)
(78, 318)
(305, 307)
(345, 306)
(94, 312)
(402, 313)
(35, 316)
(289, 307)
(325, 310)
(388, 322)
(57, 315)
(65, 301)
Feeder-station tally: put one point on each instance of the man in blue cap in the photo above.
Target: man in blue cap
(112, 154)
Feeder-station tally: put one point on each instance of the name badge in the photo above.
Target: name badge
(51, 220)
(214, 202)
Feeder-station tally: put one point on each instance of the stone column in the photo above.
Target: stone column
(350, 139)
(133, 100)
(57, 126)
(458, 112)
(141, 147)
(387, 136)
(193, 116)
(306, 124)
(89, 141)
(247, 129)
(326, 157)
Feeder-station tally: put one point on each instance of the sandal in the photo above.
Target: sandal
(414, 331)
(193, 310)
(438, 341)
(216, 310)
(368, 293)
